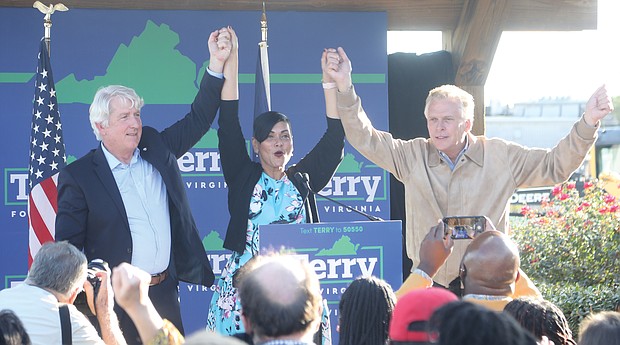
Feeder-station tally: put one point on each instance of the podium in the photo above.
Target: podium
(339, 252)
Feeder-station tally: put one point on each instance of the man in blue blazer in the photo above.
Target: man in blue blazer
(125, 201)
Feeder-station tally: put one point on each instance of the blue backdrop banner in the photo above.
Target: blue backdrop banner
(340, 252)
(163, 55)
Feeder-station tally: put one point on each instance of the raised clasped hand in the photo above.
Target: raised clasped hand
(220, 46)
(338, 67)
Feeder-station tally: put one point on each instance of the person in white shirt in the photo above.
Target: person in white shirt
(57, 275)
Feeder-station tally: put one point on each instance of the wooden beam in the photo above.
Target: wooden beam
(421, 15)
(473, 46)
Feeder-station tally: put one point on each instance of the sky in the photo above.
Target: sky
(529, 66)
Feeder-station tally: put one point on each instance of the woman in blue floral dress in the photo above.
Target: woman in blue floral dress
(263, 192)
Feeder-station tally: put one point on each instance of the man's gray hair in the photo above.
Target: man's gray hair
(58, 266)
(100, 109)
(455, 93)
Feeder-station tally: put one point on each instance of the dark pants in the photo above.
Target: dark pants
(165, 298)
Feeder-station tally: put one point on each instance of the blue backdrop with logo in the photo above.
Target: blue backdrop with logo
(339, 252)
(162, 55)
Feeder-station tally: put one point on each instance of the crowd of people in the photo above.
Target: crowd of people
(124, 202)
(281, 303)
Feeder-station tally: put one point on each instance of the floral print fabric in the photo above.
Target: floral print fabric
(272, 201)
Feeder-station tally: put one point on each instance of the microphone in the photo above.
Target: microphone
(300, 178)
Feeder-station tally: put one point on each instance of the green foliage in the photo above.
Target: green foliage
(571, 249)
(577, 301)
(573, 238)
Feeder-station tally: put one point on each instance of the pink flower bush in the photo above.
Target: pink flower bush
(574, 237)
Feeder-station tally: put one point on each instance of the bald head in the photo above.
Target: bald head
(280, 296)
(490, 265)
(282, 281)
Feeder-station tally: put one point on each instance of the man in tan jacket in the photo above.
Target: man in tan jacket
(455, 173)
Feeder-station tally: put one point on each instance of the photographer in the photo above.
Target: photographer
(57, 275)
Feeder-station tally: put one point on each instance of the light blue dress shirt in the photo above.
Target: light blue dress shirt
(447, 159)
(146, 202)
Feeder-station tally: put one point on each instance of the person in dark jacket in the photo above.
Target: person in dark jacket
(125, 200)
(265, 192)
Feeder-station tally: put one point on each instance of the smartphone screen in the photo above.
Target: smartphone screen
(463, 227)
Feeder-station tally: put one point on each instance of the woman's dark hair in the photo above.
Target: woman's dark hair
(541, 318)
(264, 122)
(365, 312)
(460, 322)
(12, 331)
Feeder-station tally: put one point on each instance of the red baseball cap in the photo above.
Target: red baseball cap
(413, 310)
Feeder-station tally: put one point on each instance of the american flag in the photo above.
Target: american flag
(47, 157)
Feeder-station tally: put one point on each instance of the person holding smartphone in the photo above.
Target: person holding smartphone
(489, 270)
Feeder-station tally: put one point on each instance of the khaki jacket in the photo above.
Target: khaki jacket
(481, 183)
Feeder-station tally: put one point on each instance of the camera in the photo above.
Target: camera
(96, 265)
(463, 227)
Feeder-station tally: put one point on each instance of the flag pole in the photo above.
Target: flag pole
(263, 65)
(262, 89)
(47, 20)
(263, 25)
(47, 149)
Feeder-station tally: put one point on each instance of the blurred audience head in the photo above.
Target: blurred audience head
(601, 328)
(280, 298)
(412, 312)
(541, 318)
(464, 323)
(12, 331)
(365, 311)
(60, 268)
(490, 265)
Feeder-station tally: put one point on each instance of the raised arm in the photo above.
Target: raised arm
(434, 251)
(230, 91)
(540, 167)
(378, 146)
(185, 133)
(323, 160)
(329, 85)
(232, 146)
(598, 106)
(102, 306)
(131, 286)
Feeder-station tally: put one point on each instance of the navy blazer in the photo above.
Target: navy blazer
(91, 214)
